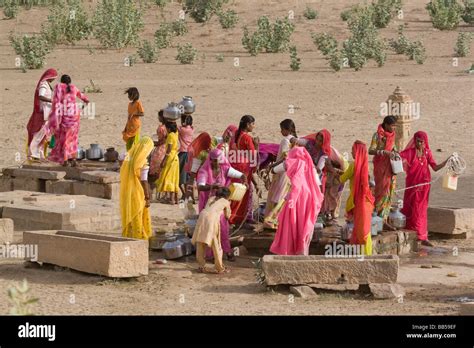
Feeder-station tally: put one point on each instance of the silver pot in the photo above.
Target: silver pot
(190, 225)
(81, 154)
(187, 105)
(187, 246)
(172, 112)
(396, 218)
(157, 241)
(172, 249)
(318, 231)
(94, 152)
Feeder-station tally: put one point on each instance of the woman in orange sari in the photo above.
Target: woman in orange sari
(383, 148)
(360, 203)
(243, 150)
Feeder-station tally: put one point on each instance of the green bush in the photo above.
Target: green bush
(400, 46)
(295, 61)
(346, 14)
(68, 22)
(202, 10)
(179, 27)
(384, 11)
(272, 38)
(445, 14)
(468, 13)
(187, 54)
(117, 23)
(416, 51)
(164, 35)
(10, 8)
(31, 49)
(162, 3)
(148, 52)
(463, 44)
(310, 13)
(228, 19)
(413, 50)
(335, 60)
(220, 57)
(325, 42)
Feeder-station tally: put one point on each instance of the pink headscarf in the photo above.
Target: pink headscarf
(418, 135)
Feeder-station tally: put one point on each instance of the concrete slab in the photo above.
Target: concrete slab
(114, 257)
(315, 269)
(34, 173)
(448, 220)
(6, 231)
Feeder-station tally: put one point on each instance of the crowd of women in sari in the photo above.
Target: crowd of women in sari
(308, 174)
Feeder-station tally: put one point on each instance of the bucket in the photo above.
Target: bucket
(450, 182)
(237, 191)
(397, 165)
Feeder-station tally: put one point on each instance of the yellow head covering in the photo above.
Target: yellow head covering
(136, 221)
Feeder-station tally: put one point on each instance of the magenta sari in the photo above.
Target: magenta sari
(65, 120)
(206, 174)
(415, 200)
(297, 218)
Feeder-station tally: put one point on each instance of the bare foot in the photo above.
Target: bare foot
(427, 243)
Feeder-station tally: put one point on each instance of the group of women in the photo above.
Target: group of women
(308, 174)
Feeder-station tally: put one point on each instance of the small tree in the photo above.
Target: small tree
(117, 23)
(228, 19)
(325, 42)
(31, 49)
(468, 13)
(463, 43)
(10, 8)
(295, 61)
(164, 35)
(21, 299)
(179, 27)
(67, 22)
(310, 13)
(148, 52)
(445, 14)
(202, 10)
(187, 54)
(416, 51)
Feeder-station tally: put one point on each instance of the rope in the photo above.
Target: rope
(455, 166)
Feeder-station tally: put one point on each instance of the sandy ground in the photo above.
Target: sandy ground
(347, 103)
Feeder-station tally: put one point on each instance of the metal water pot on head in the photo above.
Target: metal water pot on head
(187, 107)
(172, 112)
(396, 218)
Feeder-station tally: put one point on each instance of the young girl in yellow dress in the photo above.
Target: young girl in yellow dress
(169, 175)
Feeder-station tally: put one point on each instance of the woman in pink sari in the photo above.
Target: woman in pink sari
(65, 120)
(297, 218)
(215, 173)
(38, 128)
(417, 159)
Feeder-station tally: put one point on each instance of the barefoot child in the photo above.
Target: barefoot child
(131, 133)
(208, 230)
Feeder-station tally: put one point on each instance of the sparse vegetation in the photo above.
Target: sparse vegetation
(117, 24)
(463, 44)
(270, 37)
(31, 49)
(10, 8)
(164, 35)
(21, 299)
(310, 13)
(179, 27)
(148, 52)
(220, 57)
(67, 23)
(468, 13)
(445, 14)
(295, 61)
(382, 11)
(325, 42)
(413, 50)
(187, 54)
(400, 46)
(416, 51)
(202, 10)
(162, 3)
(93, 88)
(228, 19)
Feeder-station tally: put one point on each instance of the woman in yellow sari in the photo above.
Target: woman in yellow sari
(135, 192)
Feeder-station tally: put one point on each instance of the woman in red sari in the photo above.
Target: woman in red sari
(383, 149)
(417, 157)
(38, 129)
(243, 157)
(65, 121)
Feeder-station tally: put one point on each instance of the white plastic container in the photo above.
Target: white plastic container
(450, 182)
(397, 165)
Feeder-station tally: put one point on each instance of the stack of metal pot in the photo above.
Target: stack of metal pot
(174, 246)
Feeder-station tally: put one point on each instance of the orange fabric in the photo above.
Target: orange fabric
(363, 198)
(389, 137)
(134, 123)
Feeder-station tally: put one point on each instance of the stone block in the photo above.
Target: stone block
(316, 269)
(6, 231)
(385, 291)
(92, 189)
(303, 291)
(114, 257)
(101, 176)
(335, 287)
(467, 308)
(64, 187)
(29, 184)
(34, 173)
(6, 183)
(450, 220)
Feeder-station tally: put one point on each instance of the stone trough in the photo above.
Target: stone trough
(451, 222)
(114, 257)
(317, 269)
(43, 211)
(94, 179)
